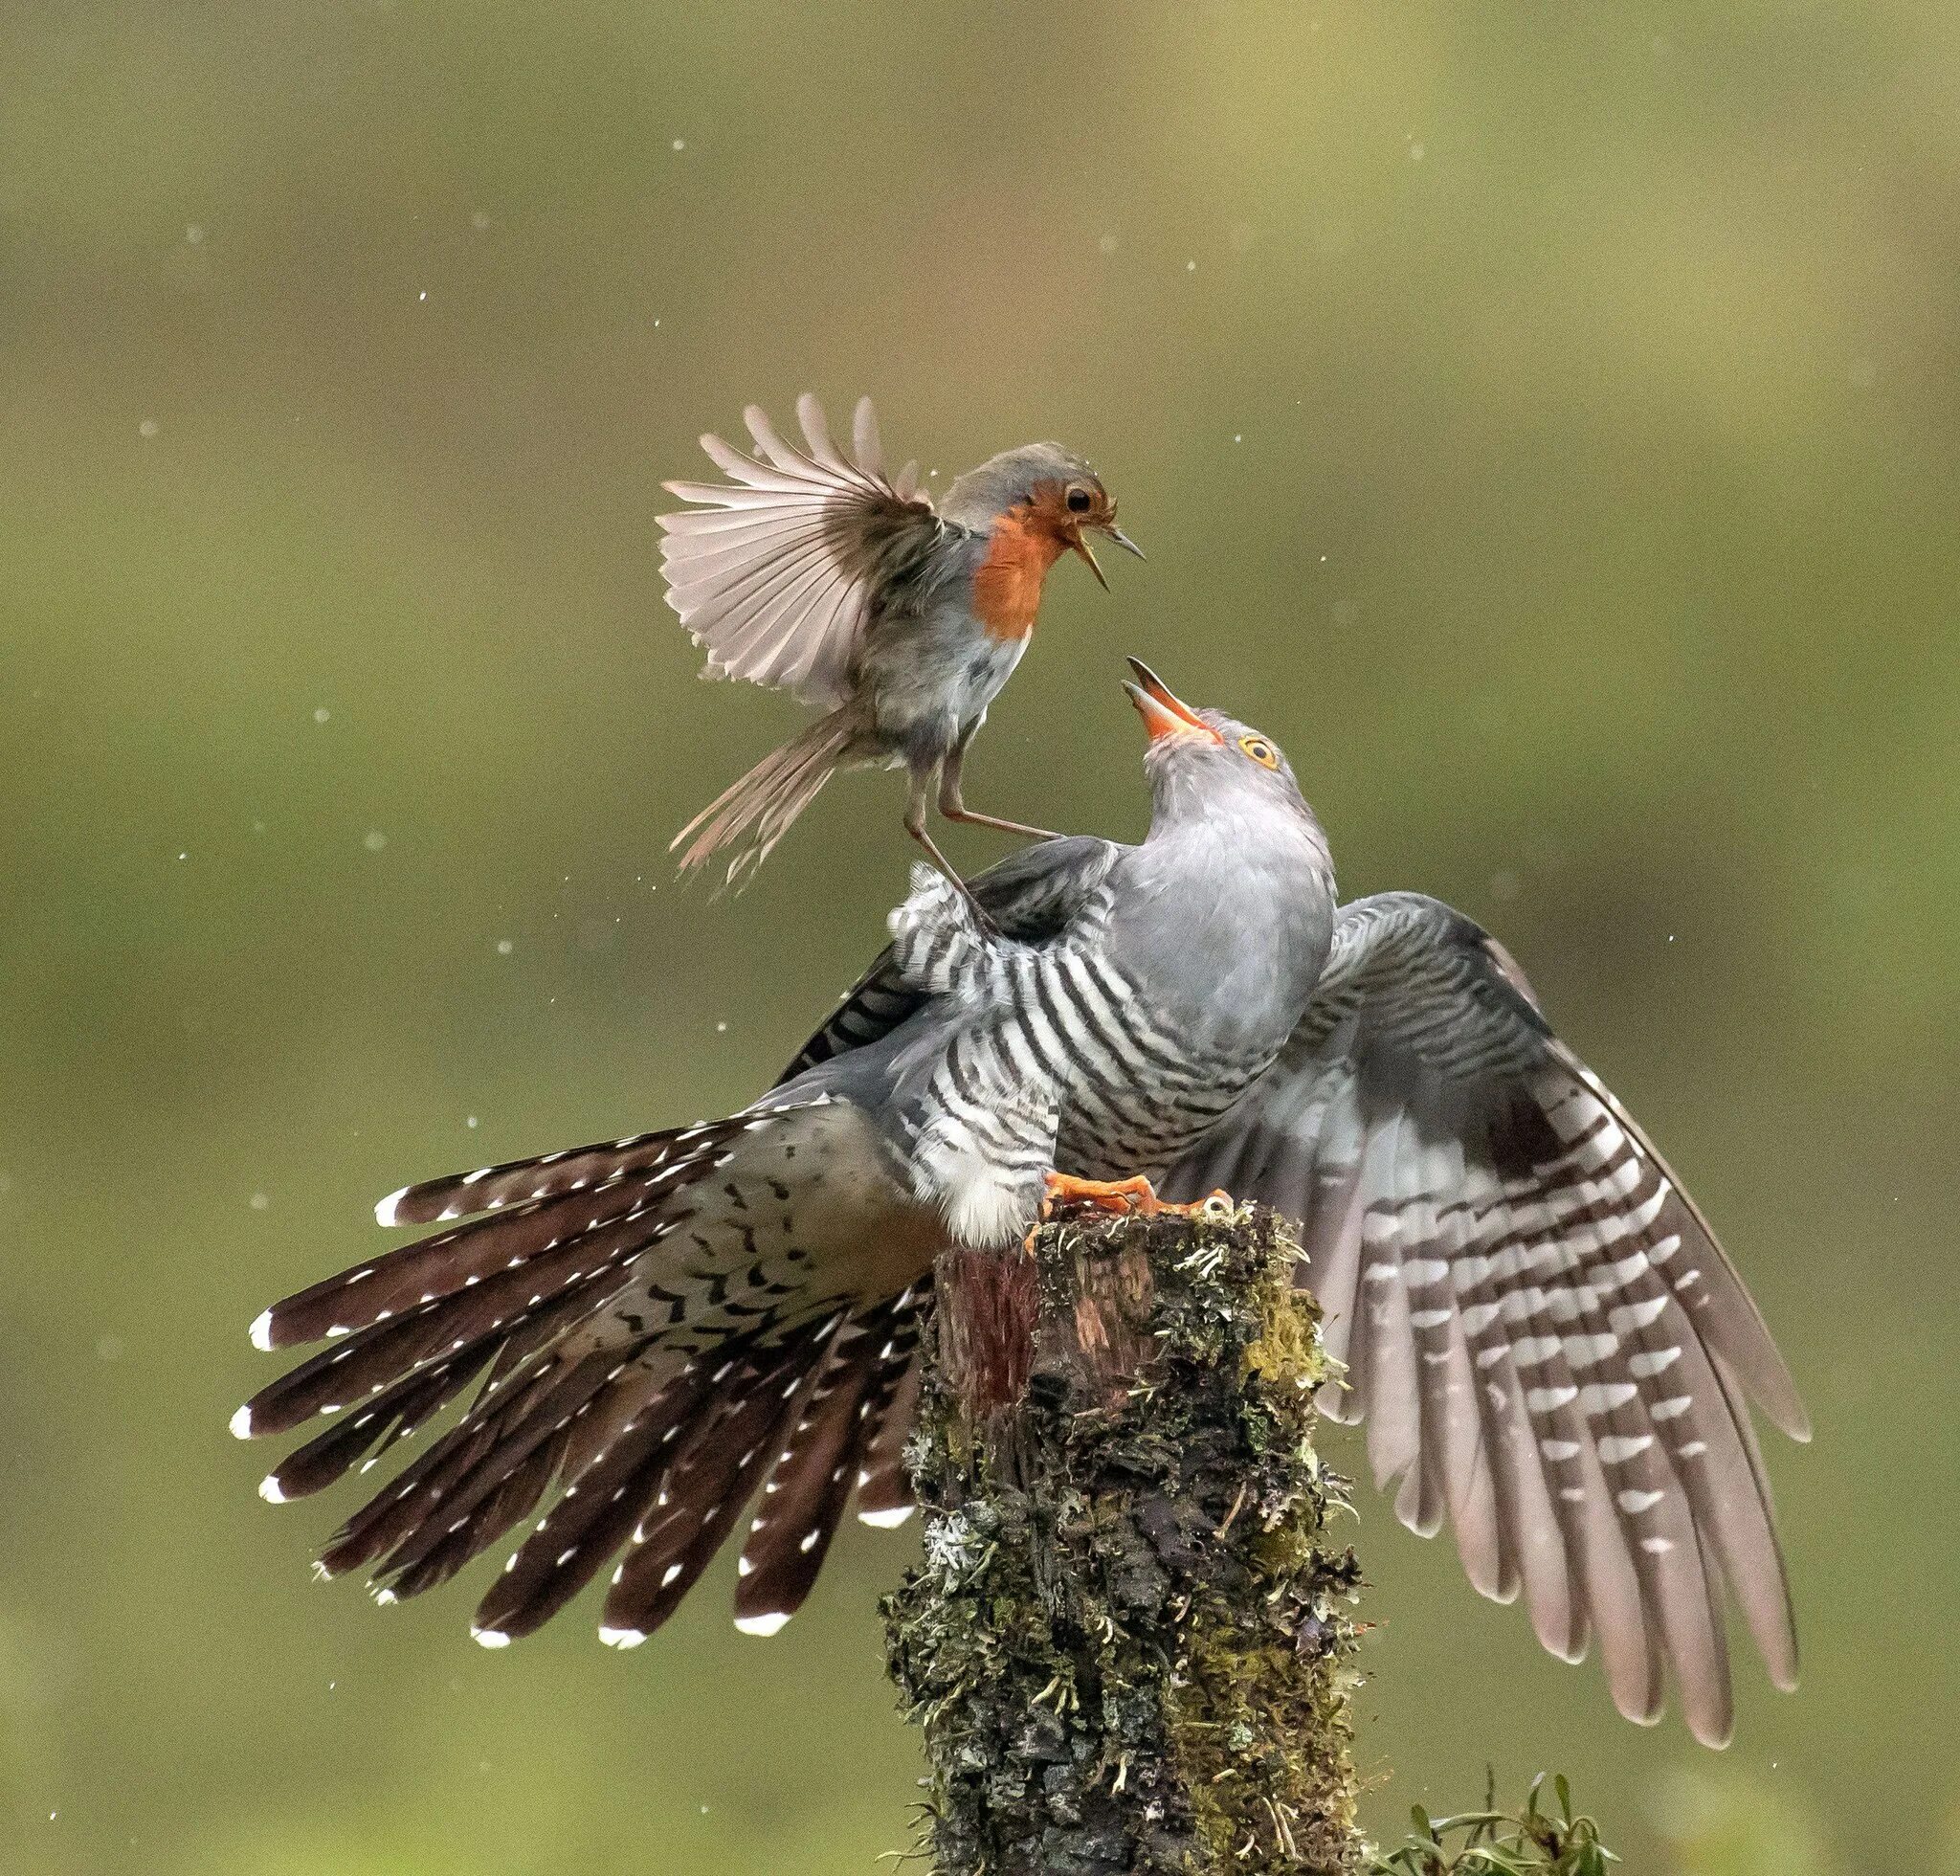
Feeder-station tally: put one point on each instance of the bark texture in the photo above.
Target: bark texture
(1128, 1647)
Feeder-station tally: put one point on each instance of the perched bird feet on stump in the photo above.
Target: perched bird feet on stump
(1129, 1197)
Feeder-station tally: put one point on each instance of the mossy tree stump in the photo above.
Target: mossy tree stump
(1128, 1647)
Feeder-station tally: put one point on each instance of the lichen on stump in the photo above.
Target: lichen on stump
(1128, 1647)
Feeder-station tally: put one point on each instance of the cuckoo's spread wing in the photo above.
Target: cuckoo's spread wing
(775, 575)
(1538, 1326)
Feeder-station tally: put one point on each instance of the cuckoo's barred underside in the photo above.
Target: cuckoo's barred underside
(657, 1333)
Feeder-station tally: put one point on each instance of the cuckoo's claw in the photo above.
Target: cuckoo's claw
(1127, 1198)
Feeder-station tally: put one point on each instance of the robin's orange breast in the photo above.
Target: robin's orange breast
(1007, 587)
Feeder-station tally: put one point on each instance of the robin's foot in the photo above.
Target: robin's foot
(972, 818)
(916, 828)
(1127, 1198)
(981, 916)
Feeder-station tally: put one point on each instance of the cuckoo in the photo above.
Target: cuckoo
(658, 1332)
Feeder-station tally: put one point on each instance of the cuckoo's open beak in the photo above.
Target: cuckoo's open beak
(1163, 712)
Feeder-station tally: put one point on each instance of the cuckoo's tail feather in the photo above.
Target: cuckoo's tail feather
(533, 1208)
(851, 1403)
(626, 1343)
(754, 813)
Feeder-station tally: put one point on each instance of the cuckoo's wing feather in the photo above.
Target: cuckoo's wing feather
(1547, 1343)
(775, 572)
(1032, 895)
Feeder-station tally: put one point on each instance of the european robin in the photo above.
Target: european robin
(813, 571)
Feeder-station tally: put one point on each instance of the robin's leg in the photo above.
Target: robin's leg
(953, 808)
(915, 826)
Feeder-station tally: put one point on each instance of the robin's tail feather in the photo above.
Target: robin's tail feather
(759, 810)
(714, 1372)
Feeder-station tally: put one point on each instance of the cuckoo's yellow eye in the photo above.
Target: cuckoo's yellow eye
(1260, 750)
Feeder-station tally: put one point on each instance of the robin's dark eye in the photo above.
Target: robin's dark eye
(1260, 750)
(1080, 501)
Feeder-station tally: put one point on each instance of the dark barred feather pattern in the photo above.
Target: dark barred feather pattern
(814, 1476)
(651, 1387)
(1548, 1345)
(530, 1206)
(1063, 1061)
(1030, 896)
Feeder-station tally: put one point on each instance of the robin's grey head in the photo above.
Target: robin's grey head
(1049, 493)
(1202, 763)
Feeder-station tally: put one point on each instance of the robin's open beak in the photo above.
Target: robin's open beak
(1116, 534)
(1163, 712)
(1082, 547)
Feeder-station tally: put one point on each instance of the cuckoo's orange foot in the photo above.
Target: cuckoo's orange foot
(1126, 1196)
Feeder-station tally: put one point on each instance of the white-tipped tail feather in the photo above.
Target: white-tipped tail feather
(260, 1334)
(769, 1624)
(645, 1435)
(384, 1209)
(889, 1520)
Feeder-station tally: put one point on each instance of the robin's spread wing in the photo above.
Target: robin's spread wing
(777, 573)
(1030, 896)
(1545, 1338)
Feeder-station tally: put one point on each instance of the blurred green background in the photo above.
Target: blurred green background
(1543, 419)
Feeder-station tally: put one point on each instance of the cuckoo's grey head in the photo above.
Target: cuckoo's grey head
(1203, 764)
(1049, 492)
